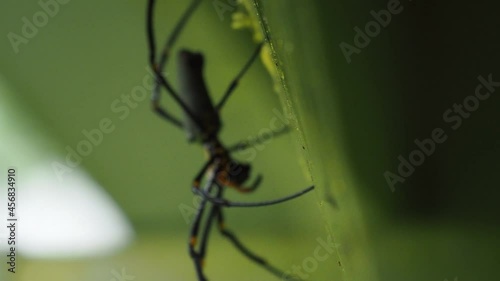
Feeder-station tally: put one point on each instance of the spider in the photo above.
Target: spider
(202, 125)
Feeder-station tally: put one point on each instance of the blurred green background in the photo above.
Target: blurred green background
(350, 123)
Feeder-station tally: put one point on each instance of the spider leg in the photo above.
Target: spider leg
(242, 145)
(243, 249)
(236, 80)
(160, 79)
